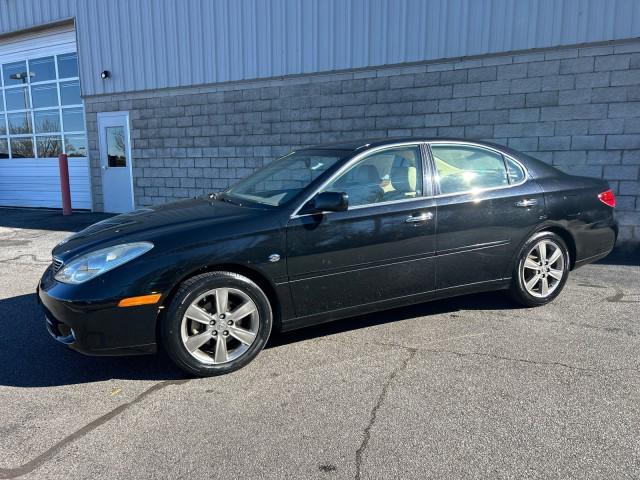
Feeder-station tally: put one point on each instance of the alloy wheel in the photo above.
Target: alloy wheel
(543, 268)
(220, 325)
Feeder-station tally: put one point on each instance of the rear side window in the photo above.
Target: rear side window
(515, 171)
(462, 168)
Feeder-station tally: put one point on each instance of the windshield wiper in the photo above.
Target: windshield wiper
(224, 198)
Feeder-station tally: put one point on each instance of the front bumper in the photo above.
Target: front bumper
(96, 327)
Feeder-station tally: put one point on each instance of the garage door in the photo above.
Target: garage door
(41, 116)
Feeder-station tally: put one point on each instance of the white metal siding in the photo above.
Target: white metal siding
(35, 182)
(150, 44)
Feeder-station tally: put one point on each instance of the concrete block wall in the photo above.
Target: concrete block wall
(577, 108)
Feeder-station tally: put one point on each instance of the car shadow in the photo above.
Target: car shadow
(624, 254)
(49, 219)
(478, 301)
(29, 357)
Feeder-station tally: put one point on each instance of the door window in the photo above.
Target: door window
(116, 147)
(462, 168)
(393, 174)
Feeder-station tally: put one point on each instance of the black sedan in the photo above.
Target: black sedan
(321, 234)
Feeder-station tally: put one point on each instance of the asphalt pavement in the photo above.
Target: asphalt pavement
(471, 387)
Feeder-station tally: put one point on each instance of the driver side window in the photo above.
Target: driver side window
(392, 174)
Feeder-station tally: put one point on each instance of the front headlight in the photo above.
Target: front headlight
(90, 265)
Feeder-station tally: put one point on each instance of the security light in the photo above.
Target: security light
(21, 75)
(105, 74)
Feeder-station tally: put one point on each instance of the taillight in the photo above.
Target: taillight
(608, 198)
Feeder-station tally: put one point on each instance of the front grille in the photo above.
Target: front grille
(57, 265)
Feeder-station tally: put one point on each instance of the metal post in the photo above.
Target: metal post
(64, 184)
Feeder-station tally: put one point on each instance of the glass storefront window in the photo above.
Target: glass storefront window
(19, 123)
(33, 122)
(4, 148)
(44, 95)
(67, 65)
(73, 119)
(70, 93)
(42, 69)
(22, 147)
(76, 145)
(49, 147)
(15, 73)
(47, 121)
(17, 98)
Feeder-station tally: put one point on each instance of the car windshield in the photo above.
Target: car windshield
(284, 178)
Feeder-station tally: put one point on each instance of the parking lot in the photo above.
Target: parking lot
(467, 387)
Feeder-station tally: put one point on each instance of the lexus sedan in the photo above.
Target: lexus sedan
(321, 234)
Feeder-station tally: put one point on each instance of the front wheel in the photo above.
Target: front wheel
(541, 271)
(217, 323)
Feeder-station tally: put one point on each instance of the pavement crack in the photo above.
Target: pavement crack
(512, 359)
(489, 355)
(374, 412)
(30, 256)
(47, 455)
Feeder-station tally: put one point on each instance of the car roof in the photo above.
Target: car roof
(368, 143)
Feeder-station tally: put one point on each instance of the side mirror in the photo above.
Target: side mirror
(331, 202)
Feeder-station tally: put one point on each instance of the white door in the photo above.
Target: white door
(115, 161)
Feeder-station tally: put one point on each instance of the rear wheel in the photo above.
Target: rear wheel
(541, 271)
(217, 323)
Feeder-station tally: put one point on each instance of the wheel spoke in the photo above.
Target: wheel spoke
(242, 311)
(245, 336)
(555, 256)
(198, 314)
(531, 264)
(221, 355)
(196, 341)
(542, 250)
(222, 300)
(557, 274)
(533, 281)
(544, 286)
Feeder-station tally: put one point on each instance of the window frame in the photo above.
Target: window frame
(504, 156)
(31, 111)
(427, 188)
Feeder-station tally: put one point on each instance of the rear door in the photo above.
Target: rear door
(381, 248)
(487, 205)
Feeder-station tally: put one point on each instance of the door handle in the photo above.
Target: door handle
(527, 203)
(423, 217)
(104, 167)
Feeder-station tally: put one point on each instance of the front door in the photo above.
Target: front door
(115, 162)
(486, 207)
(381, 248)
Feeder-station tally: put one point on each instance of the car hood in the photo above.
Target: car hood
(148, 223)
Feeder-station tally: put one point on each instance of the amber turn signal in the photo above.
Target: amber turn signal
(142, 300)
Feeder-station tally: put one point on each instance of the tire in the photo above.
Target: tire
(525, 288)
(197, 336)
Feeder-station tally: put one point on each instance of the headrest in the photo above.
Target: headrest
(404, 179)
(367, 174)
